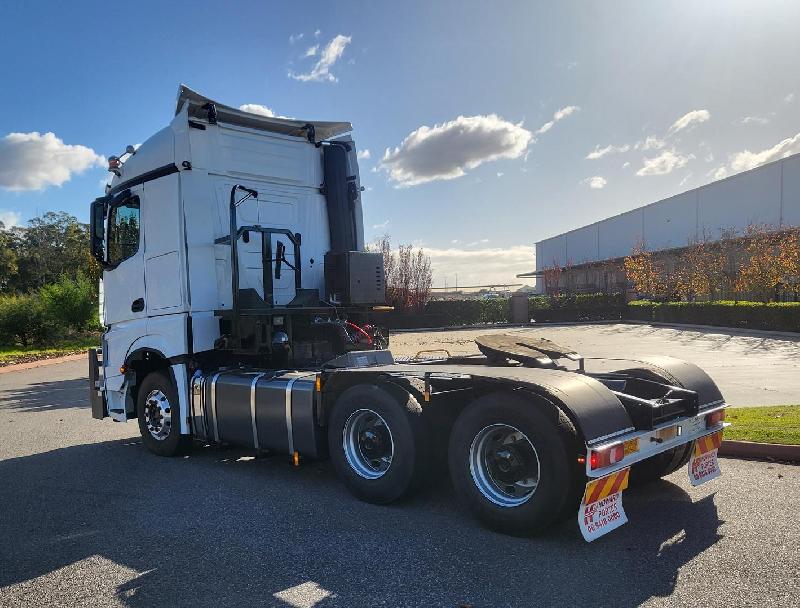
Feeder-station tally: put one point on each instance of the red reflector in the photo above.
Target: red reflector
(605, 458)
(715, 418)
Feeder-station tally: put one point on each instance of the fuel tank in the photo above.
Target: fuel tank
(265, 410)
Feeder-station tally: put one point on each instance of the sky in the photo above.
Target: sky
(482, 127)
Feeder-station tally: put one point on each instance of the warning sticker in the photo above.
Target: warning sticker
(703, 465)
(601, 509)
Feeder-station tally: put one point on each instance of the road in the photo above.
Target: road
(750, 367)
(88, 517)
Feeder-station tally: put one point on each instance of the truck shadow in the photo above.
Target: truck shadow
(220, 527)
(46, 396)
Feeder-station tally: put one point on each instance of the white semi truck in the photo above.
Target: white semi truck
(241, 307)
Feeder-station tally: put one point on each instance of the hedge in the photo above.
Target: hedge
(778, 316)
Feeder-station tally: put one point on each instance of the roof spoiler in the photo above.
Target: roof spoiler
(204, 108)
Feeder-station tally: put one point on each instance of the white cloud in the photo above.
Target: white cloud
(626, 164)
(500, 174)
(311, 51)
(317, 32)
(9, 219)
(664, 163)
(752, 120)
(363, 154)
(651, 142)
(559, 115)
(686, 178)
(449, 150)
(688, 119)
(789, 98)
(32, 161)
(599, 152)
(480, 266)
(255, 108)
(596, 182)
(719, 172)
(295, 38)
(742, 161)
(329, 55)
(381, 226)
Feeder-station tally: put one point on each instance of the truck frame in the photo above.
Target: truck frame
(217, 331)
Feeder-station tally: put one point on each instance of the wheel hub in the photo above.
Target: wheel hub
(367, 443)
(504, 465)
(158, 415)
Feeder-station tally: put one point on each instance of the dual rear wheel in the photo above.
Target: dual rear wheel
(509, 458)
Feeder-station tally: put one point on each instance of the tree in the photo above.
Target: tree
(762, 271)
(646, 273)
(8, 257)
(408, 274)
(551, 275)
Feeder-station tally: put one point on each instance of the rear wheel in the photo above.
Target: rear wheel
(378, 442)
(159, 415)
(511, 461)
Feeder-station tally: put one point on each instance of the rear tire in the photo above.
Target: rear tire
(159, 414)
(378, 442)
(513, 462)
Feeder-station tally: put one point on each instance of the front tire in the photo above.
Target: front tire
(378, 442)
(159, 415)
(511, 462)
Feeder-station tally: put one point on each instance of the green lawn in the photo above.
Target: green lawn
(20, 354)
(772, 424)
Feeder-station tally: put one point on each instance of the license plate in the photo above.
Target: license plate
(631, 446)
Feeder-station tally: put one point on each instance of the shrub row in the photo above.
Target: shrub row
(66, 306)
(778, 316)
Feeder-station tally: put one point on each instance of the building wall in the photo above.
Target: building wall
(769, 194)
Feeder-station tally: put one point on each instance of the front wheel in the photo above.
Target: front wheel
(159, 415)
(511, 463)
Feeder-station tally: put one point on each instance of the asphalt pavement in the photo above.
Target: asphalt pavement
(88, 517)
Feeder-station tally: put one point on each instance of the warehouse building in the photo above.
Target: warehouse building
(589, 259)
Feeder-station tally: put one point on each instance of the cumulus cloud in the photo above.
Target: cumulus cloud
(480, 266)
(312, 51)
(742, 161)
(596, 182)
(599, 152)
(295, 38)
(664, 163)
(330, 54)
(256, 108)
(688, 119)
(651, 142)
(33, 161)
(559, 115)
(364, 154)
(9, 219)
(719, 172)
(449, 150)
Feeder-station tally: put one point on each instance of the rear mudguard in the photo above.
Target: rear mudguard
(685, 375)
(597, 414)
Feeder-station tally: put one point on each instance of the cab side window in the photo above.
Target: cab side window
(123, 231)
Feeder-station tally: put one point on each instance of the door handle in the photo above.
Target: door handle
(137, 305)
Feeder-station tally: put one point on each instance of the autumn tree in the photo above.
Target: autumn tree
(409, 275)
(646, 273)
(762, 269)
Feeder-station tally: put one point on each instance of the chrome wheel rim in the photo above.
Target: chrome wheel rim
(368, 444)
(158, 415)
(504, 465)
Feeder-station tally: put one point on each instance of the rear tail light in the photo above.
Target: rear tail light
(599, 459)
(715, 418)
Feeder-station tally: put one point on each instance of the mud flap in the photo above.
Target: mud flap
(704, 465)
(601, 509)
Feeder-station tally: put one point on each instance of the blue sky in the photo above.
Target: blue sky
(668, 96)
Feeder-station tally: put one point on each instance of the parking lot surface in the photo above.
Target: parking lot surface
(88, 517)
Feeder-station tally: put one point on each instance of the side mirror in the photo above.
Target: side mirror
(97, 230)
(280, 251)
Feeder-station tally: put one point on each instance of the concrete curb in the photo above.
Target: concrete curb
(18, 367)
(760, 451)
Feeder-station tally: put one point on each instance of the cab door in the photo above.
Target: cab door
(123, 278)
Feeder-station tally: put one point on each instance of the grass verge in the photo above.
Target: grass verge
(772, 424)
(9, 355)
